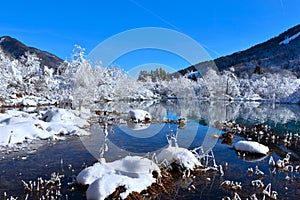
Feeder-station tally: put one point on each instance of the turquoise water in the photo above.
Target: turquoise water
(69, 157)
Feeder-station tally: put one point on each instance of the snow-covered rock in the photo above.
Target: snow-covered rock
(139, 115)
(252, 147)
(132, 172)
(179, 155)
(92, 173)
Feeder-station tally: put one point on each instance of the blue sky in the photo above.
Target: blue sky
(221, 27)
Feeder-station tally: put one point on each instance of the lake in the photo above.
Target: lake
(70, 156)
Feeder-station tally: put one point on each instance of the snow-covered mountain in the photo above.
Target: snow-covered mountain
(16, 49)
(279, 54)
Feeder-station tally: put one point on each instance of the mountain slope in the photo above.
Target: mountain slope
(16, 49)
(281, 53)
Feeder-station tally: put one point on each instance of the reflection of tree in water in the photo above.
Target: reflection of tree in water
(212, 112)
(220, 111)
(166, 110)
(173, 110)
(104, 146)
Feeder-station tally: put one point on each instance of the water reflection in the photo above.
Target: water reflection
(212, 112)
(197, 129)
(252, 157)
(137, 126)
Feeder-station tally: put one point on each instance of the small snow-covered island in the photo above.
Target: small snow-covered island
(227, 128)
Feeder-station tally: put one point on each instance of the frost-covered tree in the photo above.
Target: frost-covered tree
(79, 81)
(182, 87)
(26, 77)
(89, 84)
(22, 77)
(81, 77)
(231, 84)
(266, 86)
(214, 84)
(5, 62)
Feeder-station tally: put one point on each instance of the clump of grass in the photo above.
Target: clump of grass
(44, 189)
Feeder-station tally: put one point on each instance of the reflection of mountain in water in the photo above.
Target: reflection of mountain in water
(253, 111)
(212, 112)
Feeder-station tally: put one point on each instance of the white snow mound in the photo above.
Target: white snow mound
(252, 147)
(132, 172)
(180, 155)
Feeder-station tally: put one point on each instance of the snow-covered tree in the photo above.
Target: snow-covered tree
(5, 61)
(214, 84)
(231, 84)
(78, 81)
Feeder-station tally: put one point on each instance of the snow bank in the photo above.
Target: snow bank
(17, 127)
(180, 155)
(252, 147)
(21, 131)
(139, 115)
(132, 172)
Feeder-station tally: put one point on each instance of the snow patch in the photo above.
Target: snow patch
(287, 40)
(252, 147)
